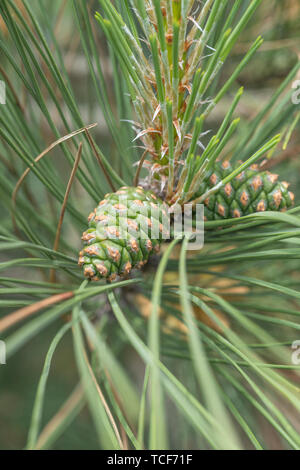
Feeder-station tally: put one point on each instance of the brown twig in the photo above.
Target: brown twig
(63, 208)
(120, 404)
(139, 169)
(96, 153)
(124, 438)
(37, 159)
(26, 312)
(104, 402)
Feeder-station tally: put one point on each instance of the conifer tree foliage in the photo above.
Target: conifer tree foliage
(196, 349)
(168, 83)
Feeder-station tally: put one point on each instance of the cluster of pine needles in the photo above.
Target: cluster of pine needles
(195, 351)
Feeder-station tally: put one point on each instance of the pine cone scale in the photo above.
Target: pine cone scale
(251, 191)
(119, 235)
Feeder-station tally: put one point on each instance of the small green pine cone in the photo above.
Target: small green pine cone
(251, 191)
(124, 230)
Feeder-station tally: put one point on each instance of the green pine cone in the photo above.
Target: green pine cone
(251, 191)
(120, 234)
